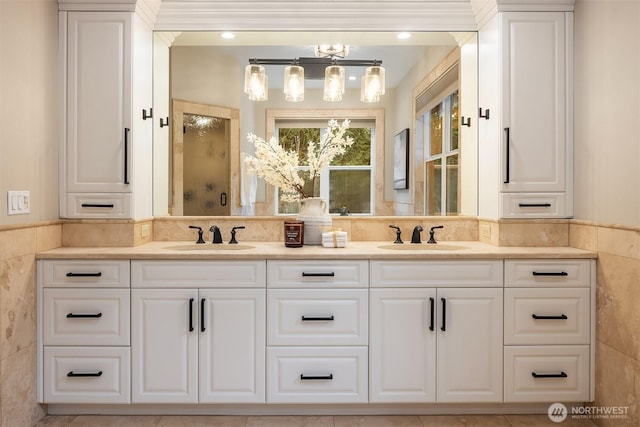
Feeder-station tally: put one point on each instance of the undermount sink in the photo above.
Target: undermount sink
(209, 247)
(422, 247)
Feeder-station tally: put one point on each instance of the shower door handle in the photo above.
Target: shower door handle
(223, 199)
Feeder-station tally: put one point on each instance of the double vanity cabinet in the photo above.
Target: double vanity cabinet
(360, 331)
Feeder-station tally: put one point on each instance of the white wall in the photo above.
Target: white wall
(607, 111)
(29, 106)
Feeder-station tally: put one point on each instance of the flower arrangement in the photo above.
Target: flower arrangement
(279, 167)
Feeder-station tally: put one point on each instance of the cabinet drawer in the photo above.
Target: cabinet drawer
(547, 316)
(317, 374)
(536, 205)
(99, 205)
(86, 375)
(317, 317)
(546, 374)
(86, 317)
(547, 273)
(86, 274)
(198, 274)
(410, 274)
(333, 274)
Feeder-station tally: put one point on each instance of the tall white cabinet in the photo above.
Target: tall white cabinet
(106, 132)
(525, 109)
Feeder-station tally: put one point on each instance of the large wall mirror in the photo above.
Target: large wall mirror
(430, 86)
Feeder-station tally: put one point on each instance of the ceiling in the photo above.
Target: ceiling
(397, 56)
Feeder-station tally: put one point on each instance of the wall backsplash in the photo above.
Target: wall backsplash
(82, 233)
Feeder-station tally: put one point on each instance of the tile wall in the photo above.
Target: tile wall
(18, 247)
(617, 315)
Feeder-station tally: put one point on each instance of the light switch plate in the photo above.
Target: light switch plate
(18, 202)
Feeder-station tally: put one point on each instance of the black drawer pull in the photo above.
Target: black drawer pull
(443, 328)
(560, 375)
(534, 205)
(190, 314)
(97, 205)
(84, 316)
(317, 319)
(433, 313)
(561, 317)
(84, 374)
(71, 274)
(316, 377)
(331, 274)
(202, 303)
(550, 273)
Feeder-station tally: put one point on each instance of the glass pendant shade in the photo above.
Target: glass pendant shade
(255, 82)
(294, 83)
(368, 93)
(333, 83)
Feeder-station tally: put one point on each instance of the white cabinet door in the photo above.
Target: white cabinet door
(164, 345)
(402, 349)
(98, 91)
(232, 345)
(534, 97)
(469, 325)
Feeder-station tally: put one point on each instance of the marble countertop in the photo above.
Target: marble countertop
(354, 250)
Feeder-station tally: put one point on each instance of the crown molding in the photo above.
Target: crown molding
(298, 15)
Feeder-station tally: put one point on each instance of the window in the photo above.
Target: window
(347, 183)
(442, 157)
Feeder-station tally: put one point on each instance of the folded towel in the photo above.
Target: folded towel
(334, 239)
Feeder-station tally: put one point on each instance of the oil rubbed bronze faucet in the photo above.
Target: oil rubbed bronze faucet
(415, 237)
(217, 236)
(398, 233)
(200, 239)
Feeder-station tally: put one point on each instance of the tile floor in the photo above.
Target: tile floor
(318, 421)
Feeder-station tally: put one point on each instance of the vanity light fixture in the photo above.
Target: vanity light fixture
(298, 69)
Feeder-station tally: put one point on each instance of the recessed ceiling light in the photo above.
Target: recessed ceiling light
(227, 35)
(404, 36)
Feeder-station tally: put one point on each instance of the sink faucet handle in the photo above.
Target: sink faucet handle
(432, 233)
(398, 233)
(217, 236)
(200, 239)
(233, 240)
(415, 237)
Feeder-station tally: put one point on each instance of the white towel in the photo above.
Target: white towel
(248, 187)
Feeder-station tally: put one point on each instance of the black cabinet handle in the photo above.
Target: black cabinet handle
(146, 116)
(550, 273)
(202, 302)
(163, 124)
(84, 374)
(316, 377)
(126, 155)
(506, 176)
(317, 319)
(444, 314)
(433, 313)
(485, 115)
(72, 274)
(534, 205)
(97, 205)
(560, 317)
(84, 316)
(190, 314)
(560, 375)
(330, 274)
